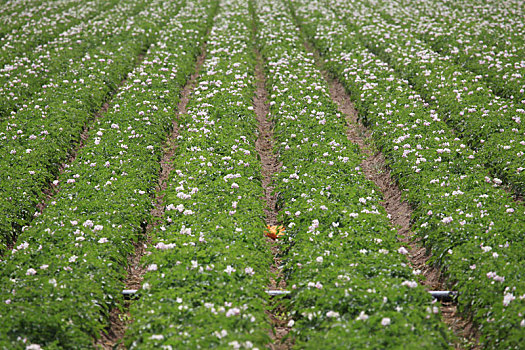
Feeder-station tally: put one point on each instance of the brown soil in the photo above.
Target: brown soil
(375, 169)
(264, 145)
(111, 337)
(270, 166)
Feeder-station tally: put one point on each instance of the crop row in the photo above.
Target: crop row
(66, 273)
(27, 74)
(474, 230)
(497, 15)
(16, 6)
(476, 45)
(14, 14)
(47, 27)
(486, 122)
(489, 47)
(208, 262)
(350, 283)
(40, 136)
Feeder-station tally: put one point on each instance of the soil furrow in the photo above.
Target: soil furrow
(112, 336)
(270, 166)
(375, 169)
(264, 144)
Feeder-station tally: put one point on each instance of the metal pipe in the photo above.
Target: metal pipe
(444, 295)
(273, 293)
(129, 293)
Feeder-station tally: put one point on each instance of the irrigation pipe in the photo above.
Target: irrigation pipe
(442, 295)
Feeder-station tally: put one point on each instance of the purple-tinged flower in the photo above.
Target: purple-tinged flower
(229, 270)
(507, 298)
(402, 250)
(447, 220)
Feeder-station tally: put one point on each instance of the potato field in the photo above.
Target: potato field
(262, 174)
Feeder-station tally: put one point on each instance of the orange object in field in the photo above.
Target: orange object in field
(274, 232)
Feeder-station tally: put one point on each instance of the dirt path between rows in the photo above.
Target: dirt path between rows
(375, 169)
(270, 166)
(264, 144)
(113, 335)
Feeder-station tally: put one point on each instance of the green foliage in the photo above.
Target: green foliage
(473, 228)
(351, 288)
(66, 272)
(208, 264)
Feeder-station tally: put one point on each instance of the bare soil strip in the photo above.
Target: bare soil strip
(111, 337)
(264, 144)
(375, 169)
(270, 165)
